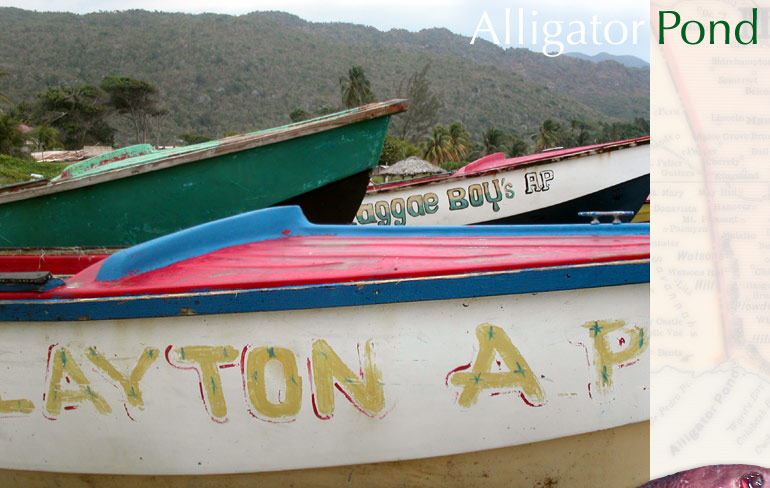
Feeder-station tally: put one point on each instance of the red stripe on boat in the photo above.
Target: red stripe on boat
(308, 260)
(498, 161)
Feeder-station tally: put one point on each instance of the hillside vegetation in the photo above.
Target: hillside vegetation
(218, 73)
(14, 170)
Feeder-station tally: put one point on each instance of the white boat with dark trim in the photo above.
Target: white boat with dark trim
(544, 188)
(262, 342)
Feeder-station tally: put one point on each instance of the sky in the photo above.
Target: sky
(464, 17)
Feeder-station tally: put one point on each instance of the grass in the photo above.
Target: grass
(16, 170)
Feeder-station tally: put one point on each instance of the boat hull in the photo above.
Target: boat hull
(568, 461)
(617, 197)
(139, 207)
(546, 191)
(292, 389)
(333, 203)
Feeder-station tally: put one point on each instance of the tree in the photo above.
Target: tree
(77, 112)
(326, 111)
(640, 127)
(437, 147)
(460, 141)
(44, 138)
(578, 134)
(159, 117)
(493, 141)
(135, 100)
(517, 147)
(423, 106)
(300, 114)
(547, 135)
(393, 150)
(355, 89)
(583, 138)
(3, 98)
(617, 131)
(193, 137)
(23, 112)
(11, 138)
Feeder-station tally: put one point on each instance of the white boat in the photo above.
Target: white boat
(262, 342)
(544, 188)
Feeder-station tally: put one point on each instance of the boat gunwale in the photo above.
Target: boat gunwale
(44, 252)
(226, 146)
(431, 180)
(581, 276)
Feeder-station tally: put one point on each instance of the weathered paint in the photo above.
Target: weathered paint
(129, 383)
(66, 262)
(631, 342)
(276, 229)
(138, 207)
(254, 368)
(563, 462)
(365, 392)
(290, 264)
(518, 189)
(105, 162)
(272, 364)
(329, 295)
(206, 362)
(519, 375)
(211, 417)
(68, 386)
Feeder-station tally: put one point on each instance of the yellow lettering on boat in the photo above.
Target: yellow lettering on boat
(207, 360)
(493, 340)
(256, 382)
(632, 342)
(63, 367)
(366, 392)
(21, 405)
(130, 383)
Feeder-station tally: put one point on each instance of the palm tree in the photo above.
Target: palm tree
(584, 138)
(44, 137)
(547, 135)
(518, 147)
(3, 98)
(74, 111)
(494, 141)
(11, 138)
(460, 141)
(438, 146)
(574, 129)
(355, 89)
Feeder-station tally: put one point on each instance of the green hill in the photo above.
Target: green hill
(630, 61)
(221, 73)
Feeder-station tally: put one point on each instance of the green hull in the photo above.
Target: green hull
(134, 209)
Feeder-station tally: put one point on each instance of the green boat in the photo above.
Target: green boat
(138, 193)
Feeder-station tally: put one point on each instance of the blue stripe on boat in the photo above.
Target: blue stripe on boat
(282, 222)
(330, 295)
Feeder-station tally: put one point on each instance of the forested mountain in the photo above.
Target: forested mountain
(630, 61)
(221, 73)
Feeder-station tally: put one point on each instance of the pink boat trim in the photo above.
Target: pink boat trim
(307, 260)
(498, 161)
